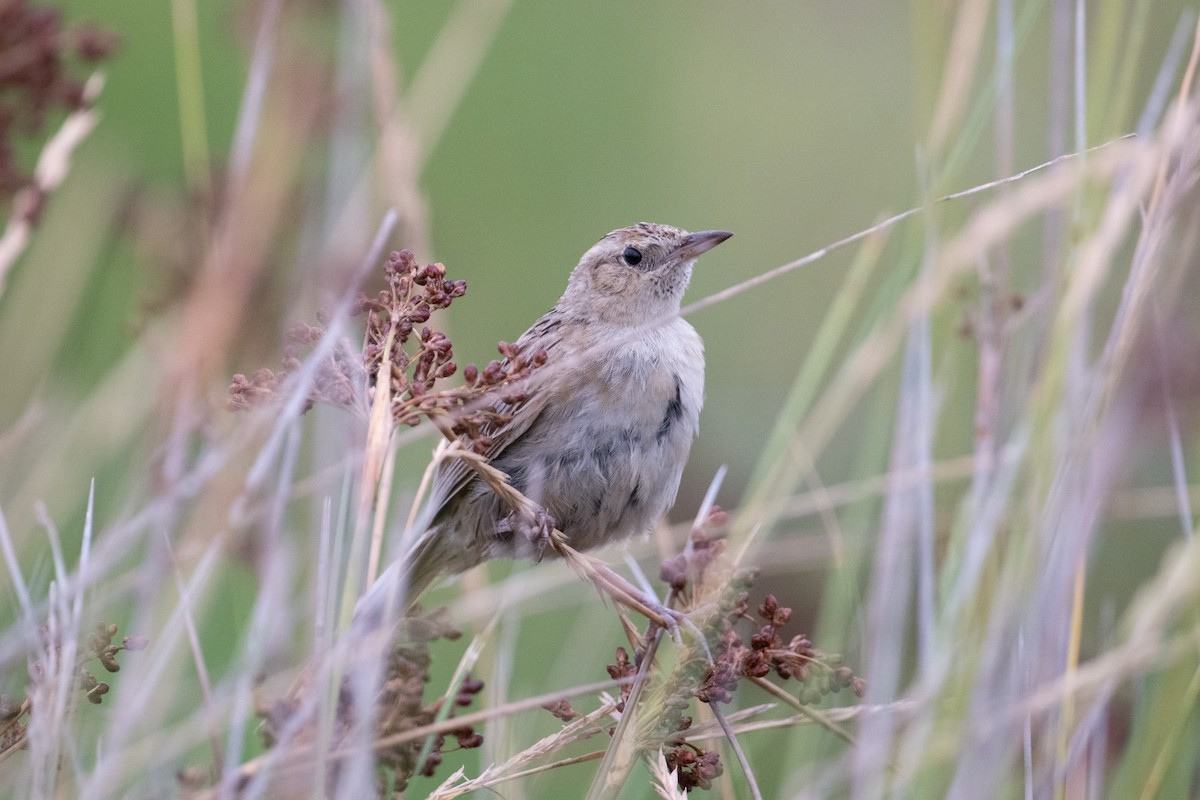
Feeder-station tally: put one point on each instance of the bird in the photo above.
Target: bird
(602, 435)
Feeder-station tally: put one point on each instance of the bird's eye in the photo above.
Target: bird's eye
(632, 256)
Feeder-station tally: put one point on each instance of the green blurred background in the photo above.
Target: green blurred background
(792, 124)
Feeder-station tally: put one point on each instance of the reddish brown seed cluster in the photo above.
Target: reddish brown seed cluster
(466, 735)
(16, 714)
(694, 767)
(401, 703)
(246, 393)
(766, 651)
(562, 710)
(706, 549)
(334, 383)
(489, 398)
(35, 80)
(414, 292)
(100, 646)
(475, 409)
(717, 598)
(624, 670)
(414, 356)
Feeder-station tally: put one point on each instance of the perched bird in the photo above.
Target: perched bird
(603, 433)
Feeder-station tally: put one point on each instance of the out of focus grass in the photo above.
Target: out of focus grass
(961, 448)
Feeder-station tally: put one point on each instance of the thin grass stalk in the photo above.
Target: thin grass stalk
(187, 605)
(53, 166)
(257, 81)
(141, 710)
(189, 88)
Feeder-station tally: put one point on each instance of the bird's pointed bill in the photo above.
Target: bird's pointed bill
(701, 242)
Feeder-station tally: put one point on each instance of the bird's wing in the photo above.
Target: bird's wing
(454, 474)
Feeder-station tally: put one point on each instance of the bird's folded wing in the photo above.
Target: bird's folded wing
(454, 474)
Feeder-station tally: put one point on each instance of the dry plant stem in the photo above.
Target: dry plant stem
(17, 743)
(578, 729)
(427, 478)
(397, 158)
(372, 492)
(609, 765)
(461, 673)
(525, 773)
(1185, 89)
(650, 641)
(991, 224)
(382, 503)
(731, 737)
(379, 430)
(708, 731)
(608, 581)
(303, 755)
(836, 496)
(452, 62)
(293, 405)
(817, 255)
(811, 713)
(378, 438)
(483, 715)
(52, 167)
(202, 677)
(1090, 679)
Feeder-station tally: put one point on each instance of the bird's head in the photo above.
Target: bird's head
(636, 274)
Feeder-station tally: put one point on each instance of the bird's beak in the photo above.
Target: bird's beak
(700, 242)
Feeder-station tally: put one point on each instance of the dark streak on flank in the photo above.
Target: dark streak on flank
(516, 475)
(631, 438)
(673, 413)
(603, 456)
(548, 324)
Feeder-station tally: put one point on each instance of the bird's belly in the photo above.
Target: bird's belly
(605, 457)
(611, 483)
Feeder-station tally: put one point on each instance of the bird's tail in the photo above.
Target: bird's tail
(378, 613)
(386, 600)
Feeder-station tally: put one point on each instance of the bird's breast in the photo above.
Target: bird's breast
(606, 454)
